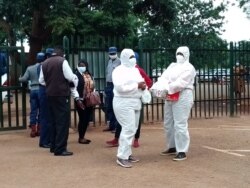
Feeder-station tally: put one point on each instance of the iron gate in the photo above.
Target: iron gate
(13, 96)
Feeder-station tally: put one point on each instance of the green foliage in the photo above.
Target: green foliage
(2, 37)
(62, 25)
(158, 13)
(197, 23)
(159, 21)
(198, 17)
(245, 4)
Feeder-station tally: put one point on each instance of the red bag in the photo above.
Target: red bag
(173, 97)
(92, 99)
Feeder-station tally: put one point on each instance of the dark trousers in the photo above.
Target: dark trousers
(113, 123)
(84, 118)
(44, 126)
(59, 119)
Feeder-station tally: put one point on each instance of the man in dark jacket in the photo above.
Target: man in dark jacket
(57, 75)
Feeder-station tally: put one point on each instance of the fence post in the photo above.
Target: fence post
(140, 50)
(24, 112)
(66, 51)
(66, 46)
(232, 105)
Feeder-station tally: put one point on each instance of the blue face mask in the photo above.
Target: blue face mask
(81, 69)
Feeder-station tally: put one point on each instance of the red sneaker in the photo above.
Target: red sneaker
(136, 143)
(113, 143)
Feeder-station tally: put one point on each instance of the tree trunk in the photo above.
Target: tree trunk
(38, 36)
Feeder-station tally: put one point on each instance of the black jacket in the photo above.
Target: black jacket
(81, 83)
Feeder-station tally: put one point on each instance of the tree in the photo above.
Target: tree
(49, 20)
(195, 24)
(156, 13)
(197, 21)
(8, 15)
(45, 22)
(29, 18)
(198, 17)
(245, 4)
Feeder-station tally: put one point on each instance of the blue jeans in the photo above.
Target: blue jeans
(113, 123)
(34, 108)
(44, 125)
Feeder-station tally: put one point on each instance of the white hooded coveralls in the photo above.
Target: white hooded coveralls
(179, 77)
(126, 102)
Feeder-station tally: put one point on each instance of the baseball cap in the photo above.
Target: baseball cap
(112, 50)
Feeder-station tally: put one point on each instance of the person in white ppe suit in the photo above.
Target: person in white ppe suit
(128, 87)
(179, 78)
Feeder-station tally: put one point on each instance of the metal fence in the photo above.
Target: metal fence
(12, 95)
(215, 65)
(214, 93)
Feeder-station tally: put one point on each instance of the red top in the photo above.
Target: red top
(144, 75)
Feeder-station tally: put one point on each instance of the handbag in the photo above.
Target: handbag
(146, 96)
(92, 99)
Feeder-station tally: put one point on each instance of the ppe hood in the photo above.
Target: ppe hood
(125, 56)
(184, 50)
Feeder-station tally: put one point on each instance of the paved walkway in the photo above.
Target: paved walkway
(219, 157)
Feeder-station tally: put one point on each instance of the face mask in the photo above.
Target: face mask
(81, 69)
(180, 59)
(113, 56)
(132, 62)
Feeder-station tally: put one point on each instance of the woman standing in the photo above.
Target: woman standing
(85, 86)
(179, 81)
(128, 87)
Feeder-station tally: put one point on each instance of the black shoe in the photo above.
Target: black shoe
(107, 129)
(170, 151)
(64, 153)
(180, 157)
(84, 141)
(44, 145)
(52, 150)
